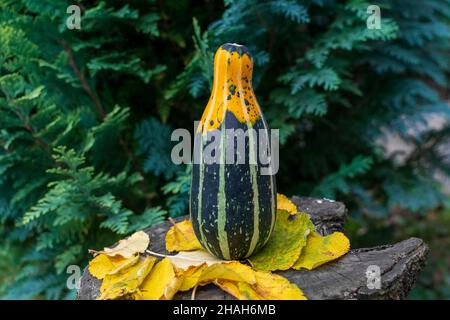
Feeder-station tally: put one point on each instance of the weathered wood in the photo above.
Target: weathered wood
(399, 264)
(327, 215)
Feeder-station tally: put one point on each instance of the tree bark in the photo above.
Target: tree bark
(353, 276)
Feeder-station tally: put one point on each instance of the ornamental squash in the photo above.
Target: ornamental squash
(233, 200)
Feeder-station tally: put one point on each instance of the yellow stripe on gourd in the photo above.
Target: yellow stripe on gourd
(255, 191)
(221, 204)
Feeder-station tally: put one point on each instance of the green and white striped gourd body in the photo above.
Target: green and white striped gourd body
(232, 205)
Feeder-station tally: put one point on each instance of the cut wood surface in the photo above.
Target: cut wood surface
(347, 278)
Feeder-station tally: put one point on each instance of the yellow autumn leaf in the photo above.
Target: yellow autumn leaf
(232, 270)
(136, 243)
(200, 268)
(186, 259)
(190, 276)
(181, 237)
(103, 265)
(283, 203)
(285, 244)
(126, 281)
(268, 286)
(271, 286)
(200, 275)
(320, 250)
(232, 287)
(161, 284)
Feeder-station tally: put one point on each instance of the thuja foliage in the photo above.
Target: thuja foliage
(86, 115)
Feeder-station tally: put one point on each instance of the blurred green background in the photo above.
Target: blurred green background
(86, 116)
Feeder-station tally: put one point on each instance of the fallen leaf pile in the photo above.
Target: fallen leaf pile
(126, 272)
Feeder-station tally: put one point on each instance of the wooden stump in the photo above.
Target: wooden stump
(347, 278)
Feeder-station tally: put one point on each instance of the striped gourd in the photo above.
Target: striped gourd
(233, 205)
